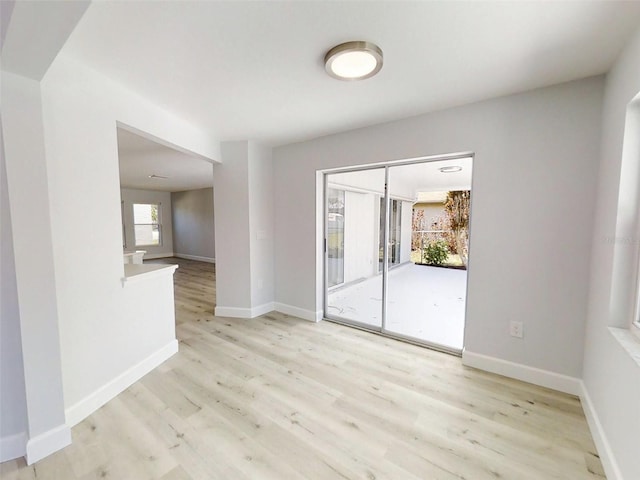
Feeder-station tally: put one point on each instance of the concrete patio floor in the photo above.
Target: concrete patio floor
(427, 303)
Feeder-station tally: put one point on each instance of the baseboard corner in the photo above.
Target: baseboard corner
(309, 315)
(261, 309)
(47, 443)
(13, 446)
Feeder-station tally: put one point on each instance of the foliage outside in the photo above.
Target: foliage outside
(154, 213)
(452, 228)
(457, 206)
(435, 253)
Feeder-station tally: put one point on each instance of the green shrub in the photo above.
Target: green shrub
(435, 253)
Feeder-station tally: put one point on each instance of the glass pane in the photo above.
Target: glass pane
(335, 236)
(395, 223)
(426, 288)
(394, 233)
(354, 282)
(145, 213)
(147, 235)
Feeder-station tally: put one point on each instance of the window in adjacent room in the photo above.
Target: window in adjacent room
(146, 224)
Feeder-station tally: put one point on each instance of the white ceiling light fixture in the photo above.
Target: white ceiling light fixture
(353, 60)
(450, 169)
(158, 176)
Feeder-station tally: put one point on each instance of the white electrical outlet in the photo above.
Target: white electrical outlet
(516, 329)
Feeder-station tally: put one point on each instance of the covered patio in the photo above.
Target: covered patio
(424, 302)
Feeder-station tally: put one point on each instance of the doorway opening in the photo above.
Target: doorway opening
(397, 249)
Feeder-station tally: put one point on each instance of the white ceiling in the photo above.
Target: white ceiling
(140, 158)
(253, 70)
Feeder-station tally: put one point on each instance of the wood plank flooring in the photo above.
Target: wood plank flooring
(281, 398)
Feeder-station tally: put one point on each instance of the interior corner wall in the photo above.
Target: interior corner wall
(36, 287)
(13, 411)
(534, 180)
(129, 196)
(611, 376)
(194, 224)
(244, 230)
(233, 264)
(81, 110)
(261, 226)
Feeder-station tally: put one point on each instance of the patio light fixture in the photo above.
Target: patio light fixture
(450, 169)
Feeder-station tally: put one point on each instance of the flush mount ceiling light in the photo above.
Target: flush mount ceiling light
(353, 60)
(158, 176)
(450, 169)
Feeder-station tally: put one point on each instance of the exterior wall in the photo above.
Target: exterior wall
(405, 236)
(193, 224)
(360, 235)
(432, 211)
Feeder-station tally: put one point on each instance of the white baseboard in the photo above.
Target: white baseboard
(153, 256)
(85, 407)
(261, 309)
(47, 443)
(605, 451)
(537, 376)
(195, 257)
(13, 446)
(234, 312)
(238, 312)
(309, 315)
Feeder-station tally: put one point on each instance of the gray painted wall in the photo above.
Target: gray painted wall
(529, 256)
(261, 223)
(611, 376)
(193, 223)
(36, 274)
(231, 186)
(13, 412)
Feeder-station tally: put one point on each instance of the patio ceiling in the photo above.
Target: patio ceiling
(408, 181)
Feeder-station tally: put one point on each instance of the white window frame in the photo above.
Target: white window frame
(158, 224)
(632, 115)
(635, 320)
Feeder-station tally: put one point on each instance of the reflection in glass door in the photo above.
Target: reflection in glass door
(335, 237)
(353, 211)
(397, 249)
(393, 245)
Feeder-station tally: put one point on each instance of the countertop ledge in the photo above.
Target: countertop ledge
(628, 341)
(135, 272)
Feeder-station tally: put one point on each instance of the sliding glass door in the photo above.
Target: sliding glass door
(396, 249)
(425, 295)
(353, 281)
(335, 237)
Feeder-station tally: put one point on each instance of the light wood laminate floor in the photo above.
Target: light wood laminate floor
(280, 398)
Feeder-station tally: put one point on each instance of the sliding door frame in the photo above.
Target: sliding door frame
(385, 262)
